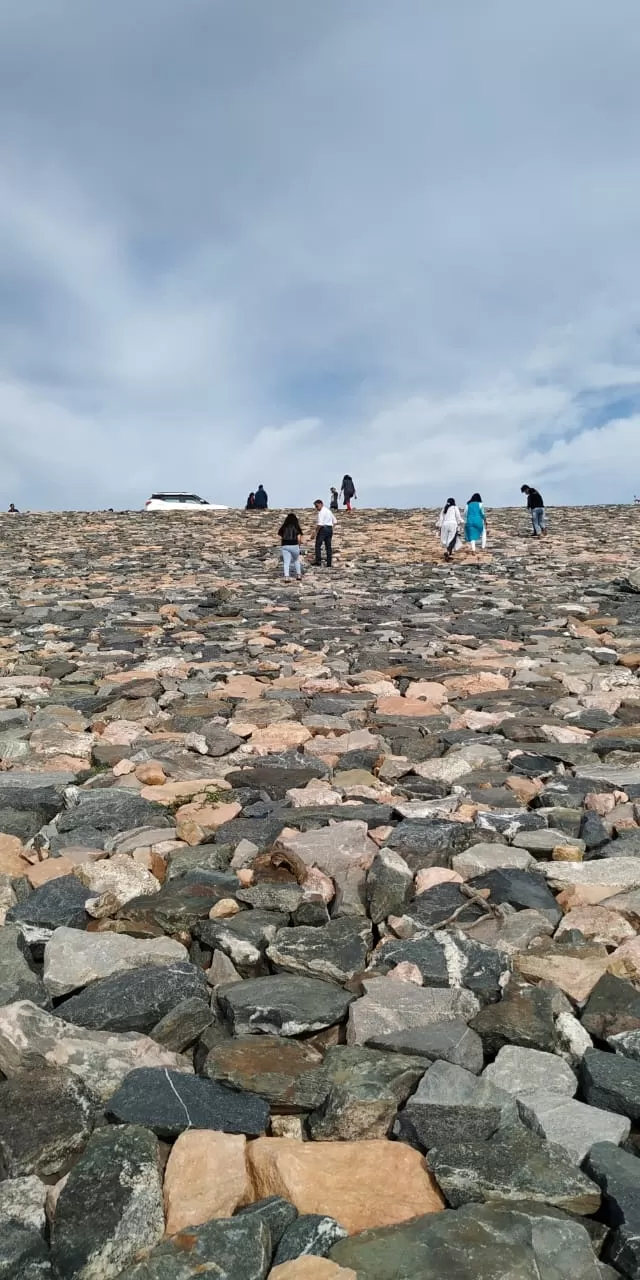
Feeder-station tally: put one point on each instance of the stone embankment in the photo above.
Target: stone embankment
(319, 905)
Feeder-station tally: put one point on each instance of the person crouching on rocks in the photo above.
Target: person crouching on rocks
(475, 527)
(290, 534)
(449, 523)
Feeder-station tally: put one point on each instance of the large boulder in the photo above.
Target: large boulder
(110, 1206)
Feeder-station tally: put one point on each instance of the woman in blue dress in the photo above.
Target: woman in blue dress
(475, 526)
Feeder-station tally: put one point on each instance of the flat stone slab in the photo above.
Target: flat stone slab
(624, 873)
(388, 1005)
(136, 999)
(439, 1041)
(522, 1071)
(482, 858)
(33, 1040)
(450, 1104)
(168, 1103)
(478, 1242)
(45, 1120)
(74, 959)
(569, 1124)
(110, 1207)
(546, 841)
(514, 1164)
(242, 1243)
(285, 1004)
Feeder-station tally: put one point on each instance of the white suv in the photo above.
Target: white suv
(180, 502)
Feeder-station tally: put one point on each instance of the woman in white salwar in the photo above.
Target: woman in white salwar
(449, 523)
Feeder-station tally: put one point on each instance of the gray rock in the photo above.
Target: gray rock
(285, 1004)
(244, 938)
(177, 907)
(441, 1041)
(524, 1017)
(449, 959)
(183, 1025)
(569, 1124)
(45, 1120)
(428, 842)
(522, 1071)
(389, 883)
(523, 890)
(336, 952)
(309, 1235)
(203, 861)
(365, 1089)
(75, 959)
(617, 1173)
(432, 909)
(28, 800)
(626, 1043)
(514, 1164)
(110, 1206)
(612, 1082)
(621, 873)
(32, 1040)
(227, 1248)
(168, 1103)
(452, 1105)
(107, 813)
(546, 841)
(286, 1073)
(285, 898)
(479, 1242)
(480, 859)
(275, 1212)
(24, 1254)
(388, 1005)
(134, 1000)
(612, 1008)
(59, 902)
(18, 981)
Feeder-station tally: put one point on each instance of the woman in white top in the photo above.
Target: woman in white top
(449, 523)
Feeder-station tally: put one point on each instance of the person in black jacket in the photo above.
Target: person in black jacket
(290, 535)
(348, 491)
(535, 505)
(262, 500)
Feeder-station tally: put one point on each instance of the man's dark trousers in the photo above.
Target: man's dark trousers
(324, 535)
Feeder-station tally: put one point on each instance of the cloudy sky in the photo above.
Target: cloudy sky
(278, 240)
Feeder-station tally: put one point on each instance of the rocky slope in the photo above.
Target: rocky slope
(320, 905)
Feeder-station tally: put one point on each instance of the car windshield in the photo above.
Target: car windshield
(178, 497)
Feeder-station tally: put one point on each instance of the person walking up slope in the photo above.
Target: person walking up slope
(290, 534)
(449, 523)
(475, 528)
(325, 521)
(535, 505)
(348, 491)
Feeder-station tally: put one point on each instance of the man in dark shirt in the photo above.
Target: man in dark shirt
(262, 501)
(535, 505)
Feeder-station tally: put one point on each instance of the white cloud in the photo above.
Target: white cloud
(249, 242)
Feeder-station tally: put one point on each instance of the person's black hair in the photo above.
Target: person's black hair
(475, 497)
(524, 488)
(290, 522)
(451, 502)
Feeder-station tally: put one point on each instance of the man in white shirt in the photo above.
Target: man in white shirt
(325, 521)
